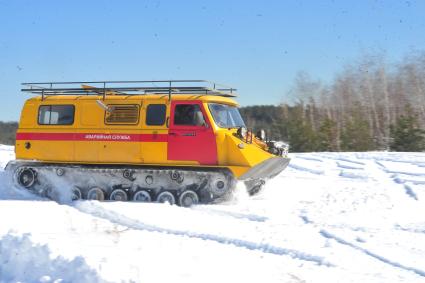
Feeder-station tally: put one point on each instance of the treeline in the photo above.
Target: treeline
(7, 132)
(370, 105)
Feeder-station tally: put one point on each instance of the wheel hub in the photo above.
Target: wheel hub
(188, 198)
(166, 197)
(96, 194)
(142, 196)
(27, 177)
(118, 195)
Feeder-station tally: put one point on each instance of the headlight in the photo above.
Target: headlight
(261, 134)
(242, 131)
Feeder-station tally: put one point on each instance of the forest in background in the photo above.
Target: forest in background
(369, 105)
(7, 132)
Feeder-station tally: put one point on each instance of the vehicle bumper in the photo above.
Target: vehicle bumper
(266, 169)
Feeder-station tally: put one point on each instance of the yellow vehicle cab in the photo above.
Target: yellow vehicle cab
(178, 141)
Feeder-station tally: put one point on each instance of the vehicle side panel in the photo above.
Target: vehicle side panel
(90, 141)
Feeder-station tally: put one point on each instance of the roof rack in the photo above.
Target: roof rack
(167, 87)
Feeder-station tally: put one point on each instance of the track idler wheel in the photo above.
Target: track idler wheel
(118, 195)
(177, 176)
(166, 197)
(188, 198)
(219, 187)
(76, 194)
(27, 177)
(96, 194)
(142, 196)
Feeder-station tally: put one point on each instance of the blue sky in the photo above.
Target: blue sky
(255, 46)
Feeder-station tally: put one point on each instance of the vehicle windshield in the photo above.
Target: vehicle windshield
(226, 116)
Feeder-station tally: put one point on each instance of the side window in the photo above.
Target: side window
(56, 115)
(155, 114)
(189, 115)
(122, 114)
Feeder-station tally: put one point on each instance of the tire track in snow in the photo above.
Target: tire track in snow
(400, 180)
(343, 166)
(411, 230)
(351, 161)
(340, 158)
(305, 169)
(386, 170)
(236, 215)
(410, 192)
(415, 163)
(95, 210)
(352, 175)
(309, 158)
(407, 189)
(341, 241)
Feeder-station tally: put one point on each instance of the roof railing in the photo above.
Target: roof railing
(104, 88)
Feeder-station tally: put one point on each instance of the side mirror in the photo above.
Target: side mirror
(261, 134)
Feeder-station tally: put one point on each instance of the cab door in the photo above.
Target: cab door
(191, 137)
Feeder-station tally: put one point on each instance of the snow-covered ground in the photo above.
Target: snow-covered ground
(330, 217)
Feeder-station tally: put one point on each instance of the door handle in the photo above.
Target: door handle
(191, 134)
(172, 134)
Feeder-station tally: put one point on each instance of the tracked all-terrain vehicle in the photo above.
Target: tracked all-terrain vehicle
(181, 142)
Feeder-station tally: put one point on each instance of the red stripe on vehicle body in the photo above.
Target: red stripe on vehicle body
(116, 137)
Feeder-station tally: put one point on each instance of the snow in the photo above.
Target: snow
(330, 217)
(20, 256)
(6, 154)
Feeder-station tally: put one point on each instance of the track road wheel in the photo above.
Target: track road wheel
(27, 177)
(142, 196)
(118, 195)
(166, 197)
(188, 198)
(76, 194)
(96, 194)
